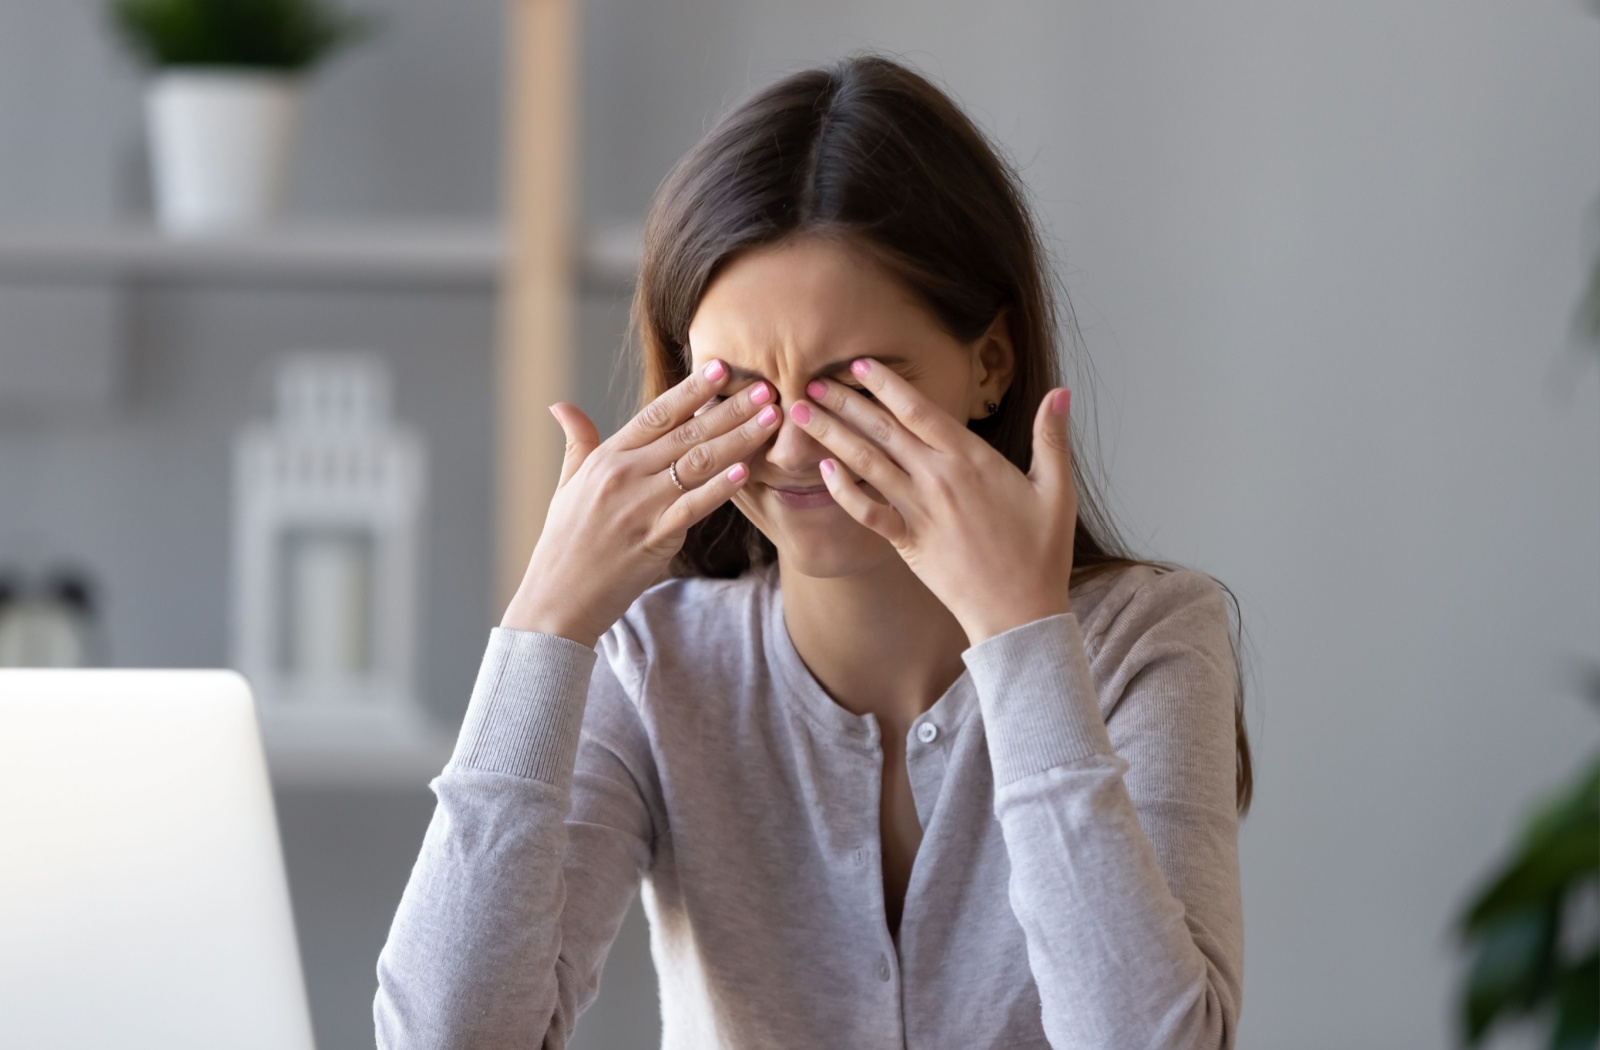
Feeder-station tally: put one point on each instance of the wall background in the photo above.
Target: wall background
(1324, 258)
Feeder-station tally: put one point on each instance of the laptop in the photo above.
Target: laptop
(143, 900)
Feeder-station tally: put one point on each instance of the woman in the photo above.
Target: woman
(904, 752)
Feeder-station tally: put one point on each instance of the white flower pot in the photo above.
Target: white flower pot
(219, 145)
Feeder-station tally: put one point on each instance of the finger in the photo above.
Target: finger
(672, 407)
(695, 431)
(868, 419)
(910, 406)
(1052, 440)
(582, 437)
(854, 451)
(700, 501)
(880, 518)
(704, 460)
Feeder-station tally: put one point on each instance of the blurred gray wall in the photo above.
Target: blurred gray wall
(1324, 258)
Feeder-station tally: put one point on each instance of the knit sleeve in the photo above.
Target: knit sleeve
(1114, 788)
(545, 822)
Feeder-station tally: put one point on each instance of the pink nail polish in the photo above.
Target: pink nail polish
(817, 389)
(860, 366)
(768, 416)
(714, 371)
(827, 468)
(761, 394)
(737, 472)
(1060, 402)
(801, 413)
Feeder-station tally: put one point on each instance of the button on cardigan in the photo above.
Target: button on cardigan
(1077, 884)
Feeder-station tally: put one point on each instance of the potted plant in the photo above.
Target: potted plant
(223, 100)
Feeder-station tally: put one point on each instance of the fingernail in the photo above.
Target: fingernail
(827, 468)
(1061, 401)
(714, 371)
(768, 416)
(737, 472)
(860, 366)
(801, 413)
(761, 394)
(817, 389)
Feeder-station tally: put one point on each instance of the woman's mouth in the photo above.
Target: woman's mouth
(802, 498)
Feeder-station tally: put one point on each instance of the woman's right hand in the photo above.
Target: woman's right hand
(616, 519)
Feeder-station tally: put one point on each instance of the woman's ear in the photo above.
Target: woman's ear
(994, 362)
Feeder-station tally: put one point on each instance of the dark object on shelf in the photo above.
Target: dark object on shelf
(52, 624)
(72, 591)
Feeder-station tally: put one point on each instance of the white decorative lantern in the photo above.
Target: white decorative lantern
(328, 505)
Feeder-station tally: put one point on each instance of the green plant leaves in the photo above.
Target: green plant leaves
(1511, 969)
(291, 35)
(1560, 843)
(1578, 1007)
(1515, 922)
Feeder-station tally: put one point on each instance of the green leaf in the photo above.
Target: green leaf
(1576, 801)
(271, 34)
(1538, 875)
(1577, 1023)
(1559, 846)
(1514, 957)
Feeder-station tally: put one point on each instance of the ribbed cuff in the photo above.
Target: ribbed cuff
(1037, 697)
(526, 710)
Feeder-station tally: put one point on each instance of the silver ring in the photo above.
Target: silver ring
(672, 472)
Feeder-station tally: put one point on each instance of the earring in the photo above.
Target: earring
(991, 406)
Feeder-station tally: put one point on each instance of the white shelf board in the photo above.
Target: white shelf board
(412, 253)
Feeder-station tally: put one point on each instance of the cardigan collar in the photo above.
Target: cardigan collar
(805, 693)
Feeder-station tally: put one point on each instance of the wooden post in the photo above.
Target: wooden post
(538, 291)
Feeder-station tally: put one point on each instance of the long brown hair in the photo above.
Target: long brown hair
(869, 150)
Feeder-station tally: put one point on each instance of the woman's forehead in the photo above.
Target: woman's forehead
(809, 307)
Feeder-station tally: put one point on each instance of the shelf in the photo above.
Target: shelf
(411, 254)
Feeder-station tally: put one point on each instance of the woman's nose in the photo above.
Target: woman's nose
(793, 451)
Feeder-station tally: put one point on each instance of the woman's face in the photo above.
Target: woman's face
(803, 309)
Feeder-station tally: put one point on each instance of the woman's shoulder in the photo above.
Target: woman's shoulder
(1116, 608)
(696, 603)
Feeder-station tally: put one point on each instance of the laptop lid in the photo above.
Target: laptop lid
(143, 900)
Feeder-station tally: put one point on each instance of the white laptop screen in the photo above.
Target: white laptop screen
(143, 901)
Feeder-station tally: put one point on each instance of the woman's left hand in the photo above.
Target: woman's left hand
(993, 544)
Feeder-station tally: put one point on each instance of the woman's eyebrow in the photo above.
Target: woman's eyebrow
(735, 372)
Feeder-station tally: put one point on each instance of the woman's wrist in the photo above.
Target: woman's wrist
(526, 614)
(986, 624)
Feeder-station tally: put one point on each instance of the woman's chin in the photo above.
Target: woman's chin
(847, 549)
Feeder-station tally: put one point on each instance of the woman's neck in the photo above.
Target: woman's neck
(877, 642)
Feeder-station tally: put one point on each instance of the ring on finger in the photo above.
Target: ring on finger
(672, 472)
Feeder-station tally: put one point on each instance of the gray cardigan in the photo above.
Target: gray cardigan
(1077, 884)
